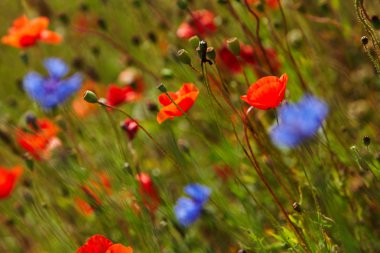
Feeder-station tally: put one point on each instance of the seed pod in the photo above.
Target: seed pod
(184, 56)
(233, 45)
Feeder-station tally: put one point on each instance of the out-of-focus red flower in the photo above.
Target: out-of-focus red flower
(8, 180)
(83, 22)
(248, 56)
(184, 98)
(39, 142)
(224, 172)
(267, 92)
(201, 23)
(130, 127)
(132, 90)
(101, 244)
(84, 207)
(273, 4)
(148, 192)
(229, 61)
(92, 190)
(27, 32)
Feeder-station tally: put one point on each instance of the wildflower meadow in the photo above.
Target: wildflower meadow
(189, 126)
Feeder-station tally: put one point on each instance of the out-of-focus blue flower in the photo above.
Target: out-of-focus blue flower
(187, 210)
(299, 121)
(52, 90)
(198, 192)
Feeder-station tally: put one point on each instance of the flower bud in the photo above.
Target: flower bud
(31, 120)
(364, 40)
(130, 127)
(366, 140)
(102, 24)
(182, 4)
(233, 45)
(152, 107)
(211, 53)
(297, 207)
(24, 58)
(184, 57)
(194, 41)
(162, 88)
(167, 73)
(90, 97)
(375, 22)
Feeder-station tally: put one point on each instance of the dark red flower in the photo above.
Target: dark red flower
(148, 192)
(130, 127)
(8, 180)
(201, 23)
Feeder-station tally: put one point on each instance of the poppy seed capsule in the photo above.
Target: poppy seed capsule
(364, 40)
(194, 41)
(162, 88)
(233, 45)
(211, 53)
(90, 97)
(184, 57)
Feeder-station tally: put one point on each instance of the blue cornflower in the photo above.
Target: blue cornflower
(52, 90)
(199, 193)
(187, 210)
(299, 121)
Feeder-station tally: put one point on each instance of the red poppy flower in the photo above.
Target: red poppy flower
(248, 55)
(8, 180)
(132, 77)
(184, 98)
(38, 142)
(100, 244)
(200, 23)
(132, 90)
(271, 3)
(148, 192)
(267, 92)
(26, 32)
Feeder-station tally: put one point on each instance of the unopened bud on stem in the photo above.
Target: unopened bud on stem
(90, 97)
